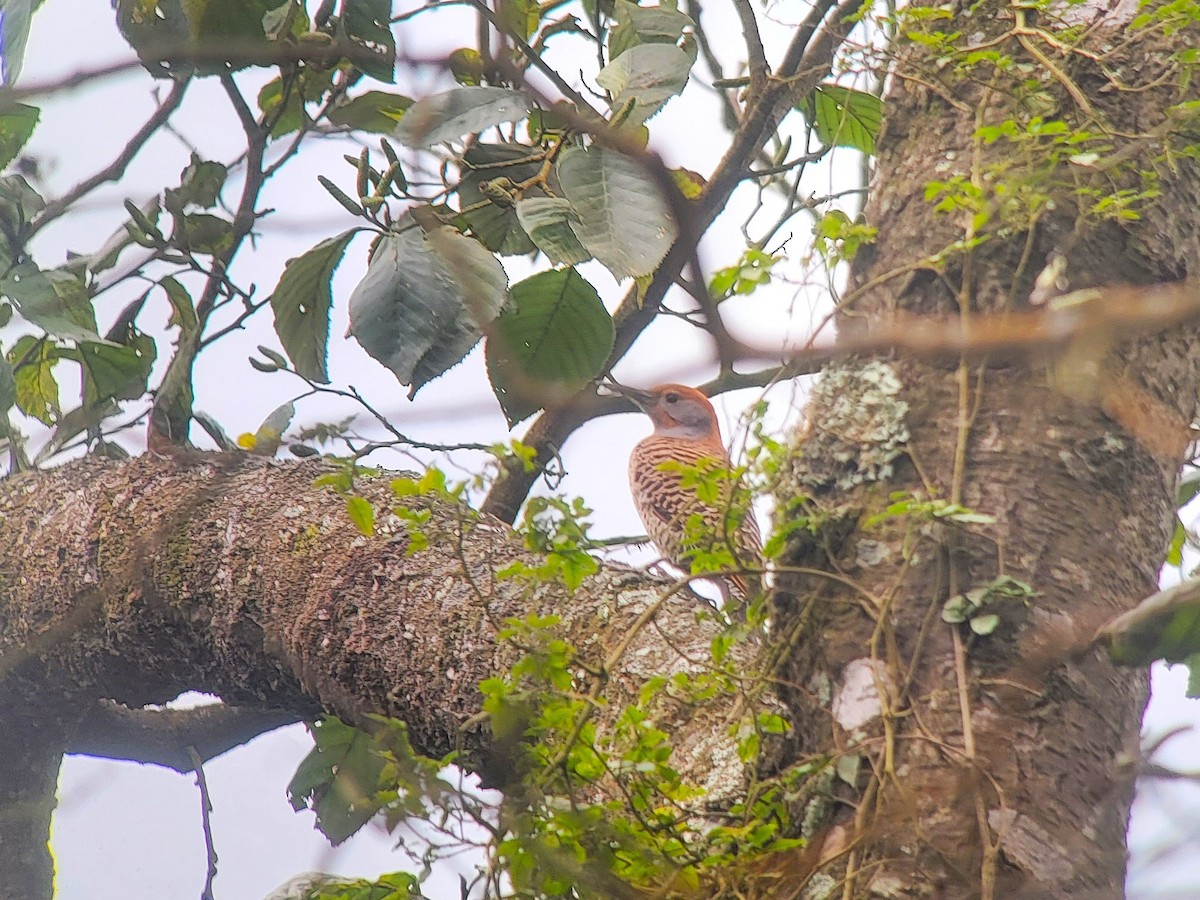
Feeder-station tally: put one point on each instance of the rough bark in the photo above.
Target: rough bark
(998, 767)
(235, 576)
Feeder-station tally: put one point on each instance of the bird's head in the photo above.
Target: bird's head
(675, 409)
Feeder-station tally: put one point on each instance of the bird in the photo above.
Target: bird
(686, 438)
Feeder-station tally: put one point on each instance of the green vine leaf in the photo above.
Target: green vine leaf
(622, 218)
(301, 303)
(553, 337)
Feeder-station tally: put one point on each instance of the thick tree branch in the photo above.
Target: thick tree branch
(236, 576)
(167, 737)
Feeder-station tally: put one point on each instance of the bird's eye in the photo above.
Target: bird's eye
(671, 398)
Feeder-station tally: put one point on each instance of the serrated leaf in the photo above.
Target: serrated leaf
(547, 222)
(16, 127)
(199, 185)
(553, 337)
(845, 117)
(458, 112)
(362, 514)
(646, 76)
(367, 24)
(338, 779)
(622, 218)
(301, 303)
(375, 111)
(497, 226)
(644, 25)
(423, 304)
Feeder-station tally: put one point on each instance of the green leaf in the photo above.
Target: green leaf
(16, 127)
(646, 76)
(985, 624)
(645, 25)
(338, 779)
(33, 360)
(15, 16)
(362, 514)
(151, 25)
(1193, 685)
(202, 233)
(301, 303)
(1166, 626)
(497, 225)
(183, 310)
(284, 111)
(547, 221)
(8, 386)
(845, 117)
(18, 204)
(458, 112)
(622, 218)
(551, 340)
(55, 301)
(366, 23)
(374, 111)
(425, 300)
(519, 17)
(199, 185)
(114, 372)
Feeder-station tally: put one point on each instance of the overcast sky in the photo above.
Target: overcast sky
(133, 832)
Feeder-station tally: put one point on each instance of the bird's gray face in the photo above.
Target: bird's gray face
(676, 413)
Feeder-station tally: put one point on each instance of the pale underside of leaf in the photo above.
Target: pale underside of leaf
(547, 222)
(461, 111)
(622, 218)
(423, 303)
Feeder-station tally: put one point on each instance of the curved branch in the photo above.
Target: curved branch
(166, 737)
(806, 63)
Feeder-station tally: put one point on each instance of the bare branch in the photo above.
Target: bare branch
(170, 737)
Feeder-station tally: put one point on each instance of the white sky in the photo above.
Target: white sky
(131, 831)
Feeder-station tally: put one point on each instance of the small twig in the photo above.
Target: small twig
(114, 170)
(206, 824)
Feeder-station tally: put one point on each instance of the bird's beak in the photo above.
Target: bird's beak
(642, 399)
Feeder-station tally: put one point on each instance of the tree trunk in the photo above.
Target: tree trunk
(995, 765)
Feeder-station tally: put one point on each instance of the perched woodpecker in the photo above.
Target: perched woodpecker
(686, 432)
